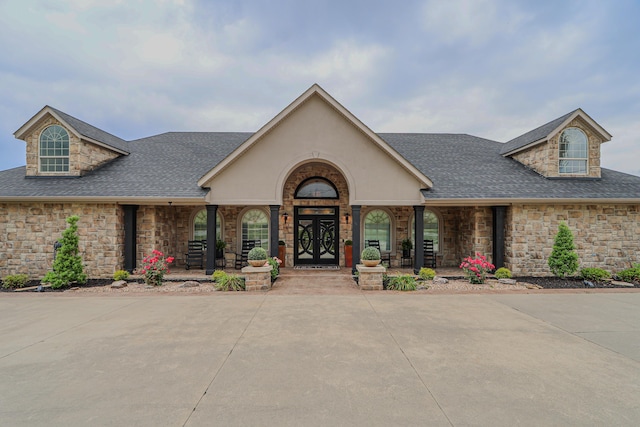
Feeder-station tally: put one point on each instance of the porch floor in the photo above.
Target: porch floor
(180, 274)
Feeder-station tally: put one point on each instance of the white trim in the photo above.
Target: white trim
(392, 225)
(68, 157)
(192, 218)
(24, 129)
(606, 136)
(239, 219)
(314, 90)
(586, 159)
(411, 226)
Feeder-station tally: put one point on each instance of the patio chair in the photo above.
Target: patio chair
(241, 258)
(429, 254)
(195, 254)
(384, 257)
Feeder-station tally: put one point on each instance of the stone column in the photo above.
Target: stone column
(130, 231)
(499, 215)
(355, 235)
(212, 211)
(418, 261)
(257, 278)
(370, 278)
(274, 231)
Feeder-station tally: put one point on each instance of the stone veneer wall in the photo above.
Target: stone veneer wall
(543, 158)
(606, 236)
(31, 229)
(156, 230)
(83, 156)
(297, 176)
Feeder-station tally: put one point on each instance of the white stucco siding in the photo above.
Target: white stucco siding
(315, 131)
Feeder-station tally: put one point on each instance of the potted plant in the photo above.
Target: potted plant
(282, 251)
(406, 248)
(370, 256)
(257, 256)
(220, 245)
(348, 253)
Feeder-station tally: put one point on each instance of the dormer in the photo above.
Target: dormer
(61, 145)
(567, 147)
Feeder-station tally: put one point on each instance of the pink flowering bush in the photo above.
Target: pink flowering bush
(154, 267)
(476, 269)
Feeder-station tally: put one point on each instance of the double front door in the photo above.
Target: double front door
(316, 237)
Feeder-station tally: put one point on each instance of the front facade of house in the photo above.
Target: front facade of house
(315, 177)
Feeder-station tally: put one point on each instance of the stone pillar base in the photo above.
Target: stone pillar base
(257, 278)
(370, 278)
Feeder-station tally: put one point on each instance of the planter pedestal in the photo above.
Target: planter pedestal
(257, 278)
(370, 278)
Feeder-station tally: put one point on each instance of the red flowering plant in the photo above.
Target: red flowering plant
(476, 269)
(154, 267)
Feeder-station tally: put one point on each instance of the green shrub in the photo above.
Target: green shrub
(257, 253)
(275, 270)
(230, 282)
(630, 274)
(503, 273)
(407, 245)
(217, 275)
(427, 273)
(370, 253)
(67, 267)
(13, 281)
(348, 243)
(403, 282)
(563, 260)
(120, 275)
(594, 274)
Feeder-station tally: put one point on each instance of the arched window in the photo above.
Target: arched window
(377, 226)
(431, 229)
(316, 188)
(54, 149)
(573, 151)
(255, 226)
(200, 226)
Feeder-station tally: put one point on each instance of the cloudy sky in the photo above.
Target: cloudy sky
(494, 69)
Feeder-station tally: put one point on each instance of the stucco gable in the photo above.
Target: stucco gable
(315, 91)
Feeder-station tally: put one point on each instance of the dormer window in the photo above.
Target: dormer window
(54, 149)
(573, 152)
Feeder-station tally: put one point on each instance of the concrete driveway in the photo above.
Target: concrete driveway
(369, 359)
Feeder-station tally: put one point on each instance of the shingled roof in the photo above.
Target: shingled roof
(465, 167)
(462, 168)
(534, 135)
(92, 132)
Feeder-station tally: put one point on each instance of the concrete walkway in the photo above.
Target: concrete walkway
(364, 359)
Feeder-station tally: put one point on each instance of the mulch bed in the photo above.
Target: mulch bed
(567, 283)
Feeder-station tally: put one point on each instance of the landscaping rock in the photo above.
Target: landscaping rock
(421, 287)
(119, 284)
(507, 281)
(190, 284)
(530, 286)
(440, 281)
(619, 283)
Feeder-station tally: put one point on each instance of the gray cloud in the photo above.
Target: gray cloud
(495, 69)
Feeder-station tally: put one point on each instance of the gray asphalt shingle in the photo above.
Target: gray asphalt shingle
(460, 166)
(534, 135)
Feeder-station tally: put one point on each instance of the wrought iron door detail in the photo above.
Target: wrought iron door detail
(316, 236)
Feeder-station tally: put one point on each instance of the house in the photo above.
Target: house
(315, 176)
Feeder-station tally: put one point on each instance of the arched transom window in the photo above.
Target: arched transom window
(255, 226)
(573, 151)
(431, 229)
(54, 149)
(377, 226)
(316, 188)
(200, 226)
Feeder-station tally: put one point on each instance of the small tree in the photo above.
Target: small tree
(563, 260)
(67, 267)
